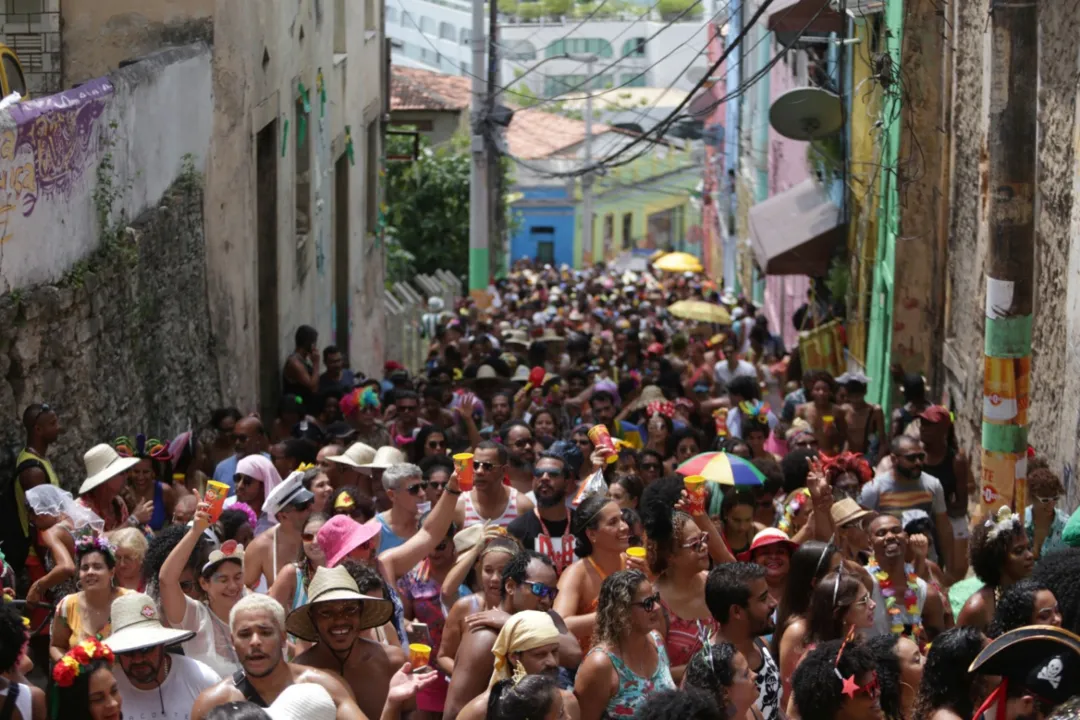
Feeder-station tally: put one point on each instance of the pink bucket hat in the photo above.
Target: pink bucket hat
(340, 535)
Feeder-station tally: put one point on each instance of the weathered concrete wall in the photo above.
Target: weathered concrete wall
(122, 344)
(100, 34)
(1055, 388)
(146, 117)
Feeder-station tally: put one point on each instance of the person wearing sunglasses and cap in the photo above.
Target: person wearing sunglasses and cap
(529, 583)
(289, 504)
(838, 680)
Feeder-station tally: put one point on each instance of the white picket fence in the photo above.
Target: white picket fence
(406, 303)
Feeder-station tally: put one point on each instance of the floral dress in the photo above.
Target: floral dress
(634, 690)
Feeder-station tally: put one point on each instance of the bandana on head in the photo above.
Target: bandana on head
(527, 630)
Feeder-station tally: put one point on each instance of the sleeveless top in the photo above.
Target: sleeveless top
(472, 515)
(882, 623)
(945, 472)
(27, 459)
(684, 637)
(16, 697)
(634, 690)
(70, 612)
(288, 387)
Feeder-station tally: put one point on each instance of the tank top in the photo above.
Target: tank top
(509, 514)
(882, 624)
(684, 637)
(634, 690)
(27, 459)
(945, 472)
(288, 387)
(16, 697)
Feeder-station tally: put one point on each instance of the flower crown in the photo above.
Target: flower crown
(756, 411)
(142, 448)
(1002, 521)
(95, 543)
(78, 660)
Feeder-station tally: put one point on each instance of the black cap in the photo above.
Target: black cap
(1040, 658)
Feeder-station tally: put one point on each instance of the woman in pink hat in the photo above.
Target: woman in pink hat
(772, 550)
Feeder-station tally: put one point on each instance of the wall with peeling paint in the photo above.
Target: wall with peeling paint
(1055, 391)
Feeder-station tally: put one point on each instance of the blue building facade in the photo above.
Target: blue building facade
(545, 225)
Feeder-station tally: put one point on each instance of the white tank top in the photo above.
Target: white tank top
(23, 703)
(882, 624)
(509, 514)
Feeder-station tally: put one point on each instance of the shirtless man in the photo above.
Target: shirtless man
(490, 499)
(529, 641)
(290, 503)
(865, 422)
(334, 618)
(258, 635)
(826, 418)
(529, 583)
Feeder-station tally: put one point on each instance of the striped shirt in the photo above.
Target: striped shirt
(509, 515)
(886, 494)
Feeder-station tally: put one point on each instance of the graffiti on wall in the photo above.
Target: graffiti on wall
(51, 146)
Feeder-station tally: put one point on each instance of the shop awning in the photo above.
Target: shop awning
(795, 232)
(814, 17)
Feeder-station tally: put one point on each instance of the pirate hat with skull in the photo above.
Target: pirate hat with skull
(1042, 659)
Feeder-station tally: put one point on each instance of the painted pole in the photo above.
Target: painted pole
(1011, 266)
(479, 192)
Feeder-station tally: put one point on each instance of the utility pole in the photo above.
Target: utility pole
(587, 178)
(479, 177)
(1010, 275)
(495, 189)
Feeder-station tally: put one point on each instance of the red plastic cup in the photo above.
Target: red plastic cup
(601, 438)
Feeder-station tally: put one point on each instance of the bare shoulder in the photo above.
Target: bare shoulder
(570, 705)
(219, 694)
(333, 683)
(476, 709)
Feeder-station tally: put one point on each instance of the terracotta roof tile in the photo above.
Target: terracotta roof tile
(533, 134)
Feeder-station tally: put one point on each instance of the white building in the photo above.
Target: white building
(435, 35)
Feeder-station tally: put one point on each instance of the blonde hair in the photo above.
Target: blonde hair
(129, 539)
(258, 603)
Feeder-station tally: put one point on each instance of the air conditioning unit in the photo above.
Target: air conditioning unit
(858, 8)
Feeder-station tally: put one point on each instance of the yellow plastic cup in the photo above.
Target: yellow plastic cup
(464, 463)
(419, 654)
(695, 488)
(215, 495)
(636, 552)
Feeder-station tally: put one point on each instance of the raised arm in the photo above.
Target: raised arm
(400, 560)
(173, 600)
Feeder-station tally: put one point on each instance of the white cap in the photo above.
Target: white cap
(289, 492)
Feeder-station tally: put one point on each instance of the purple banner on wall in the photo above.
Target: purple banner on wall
(90, 91)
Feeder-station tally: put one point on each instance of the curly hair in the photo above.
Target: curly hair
(1043, 482)
(662, 524)
(1059, 571)
(850, 463)
(682, 704)
(883, 648)
(527, 699)
(1015, 607)
(815, 683)
(614, 605)
(825, 617)
(362, 510)
(989, 549)
(710, 671)
(367, 578)
(230, 521)
(13, 637)
(946, 683)
(815, 376)
(162, 544)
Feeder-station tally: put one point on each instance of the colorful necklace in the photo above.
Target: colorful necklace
(913, 626)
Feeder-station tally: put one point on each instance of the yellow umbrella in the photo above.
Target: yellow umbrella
(701, 311)
(679, 262)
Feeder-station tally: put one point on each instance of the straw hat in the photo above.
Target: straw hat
(521, 375)
(309, 701)
(357, 456)
(136, 625)
(517, 337)
(386, 456)
(102, 464)
(328, 585)
(846, 510)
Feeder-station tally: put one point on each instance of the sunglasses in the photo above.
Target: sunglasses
(542, 591)
(915, 457)
(651, 467)
(697, 543)
(303, 506)
(415, 489)
(862, 524)
(44, 409)
(546, 472)
(523, 443)
(485, 466)
(437, 484)
(649, 603)
(1048, 500)
(436, 444)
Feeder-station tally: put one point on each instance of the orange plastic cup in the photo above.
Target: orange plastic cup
(695, 488)
(215, 495)
(419, 655)
(464, 463)
(601, 438)
(636, 552)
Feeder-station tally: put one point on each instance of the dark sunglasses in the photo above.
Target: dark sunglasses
(649, 603)
(437, 484)
(915, 457)
(523, 442)
(542, 591)
(303, 506)
(550, 472)
(485, 466)
(652, 467)
(436, 444)
(415, 489)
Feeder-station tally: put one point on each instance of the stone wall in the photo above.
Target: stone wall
(1055, 389)
(122, 344)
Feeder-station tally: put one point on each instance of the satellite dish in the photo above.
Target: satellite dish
(807, 113)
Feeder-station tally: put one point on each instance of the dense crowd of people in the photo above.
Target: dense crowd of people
(519, 530)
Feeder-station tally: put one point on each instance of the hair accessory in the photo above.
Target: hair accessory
(756, 411)
(95, 543)
(846, 462)
(1003, 520)
(78, 659)
(369, 399)
(791, 509)
(142, 448)
(304, 467)
(850, 687)
(720, 419)
(344, 502)
(662, 407)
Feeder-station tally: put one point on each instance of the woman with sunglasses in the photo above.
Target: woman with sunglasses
(1043, 520)
(678, 557)
(809, 564)
(291, 586)
(436, 470)
(629, 660)
(430, 441)
(837, 681)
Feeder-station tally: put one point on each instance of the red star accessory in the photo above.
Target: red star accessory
(850, 686)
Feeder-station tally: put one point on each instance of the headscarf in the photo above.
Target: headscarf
(259, 468)
(526, 630)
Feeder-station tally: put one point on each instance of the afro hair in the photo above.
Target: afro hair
(1060, 572)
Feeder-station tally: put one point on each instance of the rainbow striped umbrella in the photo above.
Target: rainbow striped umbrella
(722, 468)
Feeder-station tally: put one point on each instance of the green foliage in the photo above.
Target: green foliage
(556, 8)
(530, 10)
(508, 7)
(670, 9)
(839, 278)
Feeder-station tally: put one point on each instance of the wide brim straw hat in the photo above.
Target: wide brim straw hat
(385, 457)
(336, 584)
(136, 625)
(102, 464)
(357, 456)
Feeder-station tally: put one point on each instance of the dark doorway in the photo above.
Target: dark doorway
(267, 261)
(341, 255)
